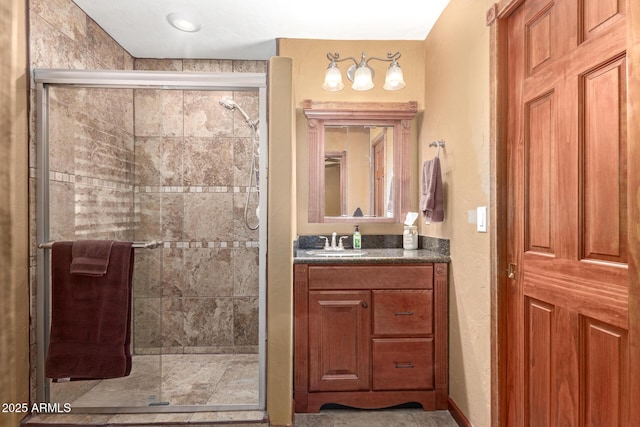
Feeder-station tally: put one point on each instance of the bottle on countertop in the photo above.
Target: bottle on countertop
(357, 239)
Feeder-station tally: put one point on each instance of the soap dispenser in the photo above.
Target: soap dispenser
(357, 239)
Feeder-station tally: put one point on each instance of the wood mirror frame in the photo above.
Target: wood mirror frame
(392, 114)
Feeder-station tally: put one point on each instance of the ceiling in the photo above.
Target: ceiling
(248, 29)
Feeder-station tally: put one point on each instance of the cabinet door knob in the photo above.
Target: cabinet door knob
(364, 304)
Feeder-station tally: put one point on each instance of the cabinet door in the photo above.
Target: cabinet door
(339, 340)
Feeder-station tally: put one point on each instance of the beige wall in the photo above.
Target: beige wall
(281, 233)
(14, 269)
(451, 72)
(457, 110)
(309, 64)
(448, 74)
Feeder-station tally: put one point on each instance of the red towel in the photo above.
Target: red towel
(91, 257)
(90, 317)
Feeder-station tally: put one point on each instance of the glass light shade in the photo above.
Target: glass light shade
(183, 22)
(394, 79)
(333, 79)
(362, 80)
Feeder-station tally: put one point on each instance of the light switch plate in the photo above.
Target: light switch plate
(481, 219)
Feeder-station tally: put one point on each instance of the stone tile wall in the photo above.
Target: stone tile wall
(192, 170)
(91, 163)
(164, 165)
(192, 156)
(87, 127)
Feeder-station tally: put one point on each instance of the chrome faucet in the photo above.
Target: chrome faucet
(333, 247)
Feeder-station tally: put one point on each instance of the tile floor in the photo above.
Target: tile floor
(180, 379)
(414, 417)
(235, 418)
(325, 418)
(207, 379)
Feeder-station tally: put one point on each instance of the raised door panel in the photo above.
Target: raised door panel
(604, 170)
(604, 370)
(540, 173)
(597, 15)
(539, 39)
(538, 357)
(339, 340)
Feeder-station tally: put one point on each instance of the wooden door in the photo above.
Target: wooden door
(567, 303)
(339, 340)
(379, 205)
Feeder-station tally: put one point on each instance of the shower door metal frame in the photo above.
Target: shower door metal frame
(123, 79)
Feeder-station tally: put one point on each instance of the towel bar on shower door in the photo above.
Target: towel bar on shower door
(136, 245)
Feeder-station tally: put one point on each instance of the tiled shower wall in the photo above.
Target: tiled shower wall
(172, 179)
(90, 126)
(192, 163)
(62, 36)
(91, 164)
(179, 159)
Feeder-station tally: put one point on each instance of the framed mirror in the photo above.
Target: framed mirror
(359, 168)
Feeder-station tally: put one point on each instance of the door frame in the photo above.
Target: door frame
(496, 18)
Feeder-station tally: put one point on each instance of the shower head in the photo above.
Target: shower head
(231, 105)
(228, 103)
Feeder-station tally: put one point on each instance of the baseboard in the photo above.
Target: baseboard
(457, 414)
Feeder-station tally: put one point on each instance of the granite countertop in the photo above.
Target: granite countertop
(373, 256)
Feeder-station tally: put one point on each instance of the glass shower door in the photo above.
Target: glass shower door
(171, 165)
(91, 195)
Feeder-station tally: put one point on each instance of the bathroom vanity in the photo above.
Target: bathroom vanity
(370, 331)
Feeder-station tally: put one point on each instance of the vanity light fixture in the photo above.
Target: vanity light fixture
(183, 22)
(361, 74)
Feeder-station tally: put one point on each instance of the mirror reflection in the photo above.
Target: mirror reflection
(358, 171)
(359, 160)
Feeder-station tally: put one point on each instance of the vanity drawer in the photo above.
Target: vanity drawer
(371, 276)
(403, 312)
(403, 364)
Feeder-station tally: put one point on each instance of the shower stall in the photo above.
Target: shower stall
(153, 156)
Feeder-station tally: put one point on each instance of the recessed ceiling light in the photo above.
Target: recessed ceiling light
(183, 22)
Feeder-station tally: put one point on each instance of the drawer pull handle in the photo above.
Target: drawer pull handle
(403, 313)
(408, 365)
(364, 304)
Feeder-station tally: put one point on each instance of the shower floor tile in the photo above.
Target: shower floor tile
(235, 418)
(184, 379)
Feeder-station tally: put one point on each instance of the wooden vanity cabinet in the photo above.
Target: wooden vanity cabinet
(370, 336)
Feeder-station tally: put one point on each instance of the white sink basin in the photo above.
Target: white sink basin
(343, 253)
